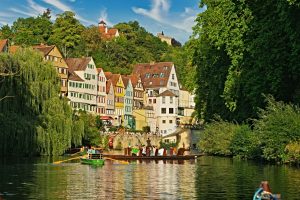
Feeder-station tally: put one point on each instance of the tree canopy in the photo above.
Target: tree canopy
(246, 49)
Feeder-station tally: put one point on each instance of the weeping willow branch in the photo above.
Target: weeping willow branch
(6, 97)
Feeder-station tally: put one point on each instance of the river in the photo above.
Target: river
(206, 178)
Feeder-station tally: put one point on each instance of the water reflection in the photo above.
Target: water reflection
(208, 178)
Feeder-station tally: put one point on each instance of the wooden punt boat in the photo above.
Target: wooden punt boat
(173, 157)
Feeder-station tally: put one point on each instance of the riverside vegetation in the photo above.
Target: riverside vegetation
(245, 51)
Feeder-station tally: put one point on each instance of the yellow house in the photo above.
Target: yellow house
(52, 54)
(119, 90)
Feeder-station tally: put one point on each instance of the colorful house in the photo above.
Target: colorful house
(128, 103)
(110, 103)
(119, 93)
(138, 91)
(101, 92)
(83, 84)
(52, 54)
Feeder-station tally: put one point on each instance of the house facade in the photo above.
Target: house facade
(128, 103)
(83, 94)
(119, 93)
(110, 101)
(138, 91)
(101, 92)
(166, 112)
(52, 54)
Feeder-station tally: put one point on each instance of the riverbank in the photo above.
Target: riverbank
(274, 137)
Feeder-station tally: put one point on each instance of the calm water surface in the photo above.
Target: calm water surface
(207, 178)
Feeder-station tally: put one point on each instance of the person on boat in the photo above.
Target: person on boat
(144, 150)
(265, 193)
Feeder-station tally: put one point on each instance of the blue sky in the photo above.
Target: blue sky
(174, 17)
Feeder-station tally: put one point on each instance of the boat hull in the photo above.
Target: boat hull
(92, 161)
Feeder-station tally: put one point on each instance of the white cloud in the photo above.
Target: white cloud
(36, 7)
(159, 12)
(159, 8)
(63, 7)
(22, 12)
(104, 17)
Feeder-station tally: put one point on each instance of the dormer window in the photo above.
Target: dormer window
(147, 75)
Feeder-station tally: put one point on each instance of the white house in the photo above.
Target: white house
(166, 112)
(83, 83)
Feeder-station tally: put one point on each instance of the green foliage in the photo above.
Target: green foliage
(66, 33)
(255, 46)
(34, 120)
(91, 133)
(217, 136)
(167, 145)
(279, 125)
(292, 151)
(32, 30)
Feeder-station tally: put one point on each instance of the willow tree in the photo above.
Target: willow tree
(35, 120)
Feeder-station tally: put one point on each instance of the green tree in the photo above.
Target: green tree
(66, 33)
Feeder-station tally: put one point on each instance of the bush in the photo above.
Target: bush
(217, 136)
(292, 151)
(278, 126)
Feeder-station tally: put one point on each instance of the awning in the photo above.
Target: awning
(106, 118)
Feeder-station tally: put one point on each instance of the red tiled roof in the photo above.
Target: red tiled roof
(125, 80)
(45, 49)
(166, 93)
(78, 64)
(3, 43)
(107, 75)
(75, 77)
(134, 79)
(99, 70)
(114, 79)
(107, 33)
(154, 75)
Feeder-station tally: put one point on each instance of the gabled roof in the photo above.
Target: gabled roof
(99, 70)
(3, 43)
(78, 64)
(134, 79)
(154, 75)
(108, 75)
(167, 93)
(114, 79)
(74, 77)
(125, 80)
(45, 49)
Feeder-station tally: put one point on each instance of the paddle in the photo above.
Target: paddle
(60, 161)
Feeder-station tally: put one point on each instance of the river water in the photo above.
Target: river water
(207, 178)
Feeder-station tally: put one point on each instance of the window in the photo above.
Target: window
(163, 110)
(162, 75)
(163, 99)
(93, 77)
(163, 121)
(171, 121)
(171, 110)
(154, 100)
(171, 99)
(173, 76)
(150, 101)
(147, 75)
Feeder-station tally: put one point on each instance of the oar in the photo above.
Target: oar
(60, 161)
(121, 161)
